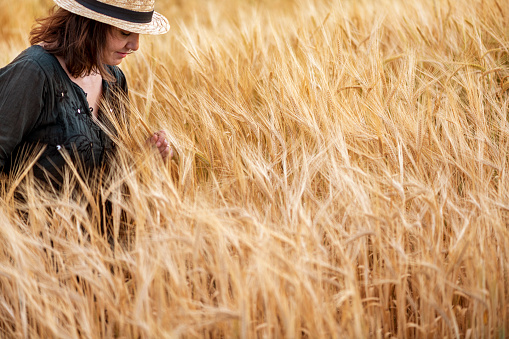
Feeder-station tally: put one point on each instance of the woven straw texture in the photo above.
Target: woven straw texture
(158, 25)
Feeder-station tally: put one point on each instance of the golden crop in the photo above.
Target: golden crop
(343, 172)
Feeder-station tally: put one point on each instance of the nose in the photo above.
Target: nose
(134, 41)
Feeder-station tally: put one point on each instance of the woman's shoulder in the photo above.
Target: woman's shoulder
(36, 53)
(35, 58)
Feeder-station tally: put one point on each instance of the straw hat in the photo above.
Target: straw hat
(137, 16)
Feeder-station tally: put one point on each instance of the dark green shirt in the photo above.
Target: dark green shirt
(40, 105)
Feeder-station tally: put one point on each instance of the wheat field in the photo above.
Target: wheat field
(343, 173)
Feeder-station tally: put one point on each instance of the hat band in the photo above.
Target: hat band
(117, 12)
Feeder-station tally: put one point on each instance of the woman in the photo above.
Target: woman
(50, 95)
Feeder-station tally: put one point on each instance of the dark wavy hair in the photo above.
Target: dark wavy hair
(78, 40)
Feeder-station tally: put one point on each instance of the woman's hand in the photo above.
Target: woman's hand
(159, 140)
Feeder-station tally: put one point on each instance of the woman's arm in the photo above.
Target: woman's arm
(158, 139)
(22, 92)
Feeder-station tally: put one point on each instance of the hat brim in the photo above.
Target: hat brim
(158, 25)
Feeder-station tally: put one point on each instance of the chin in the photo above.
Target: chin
(113, 62)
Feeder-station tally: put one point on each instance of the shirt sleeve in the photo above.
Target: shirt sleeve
(23, 87)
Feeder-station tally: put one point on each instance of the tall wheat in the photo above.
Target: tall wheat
(342, 172)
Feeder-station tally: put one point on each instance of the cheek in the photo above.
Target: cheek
(113, 43)
(117, 44)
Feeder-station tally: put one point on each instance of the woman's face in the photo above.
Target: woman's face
(118, 44)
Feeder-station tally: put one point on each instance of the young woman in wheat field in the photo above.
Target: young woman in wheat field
(52, 93)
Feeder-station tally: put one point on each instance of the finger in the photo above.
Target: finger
(161, 140)
(161, 134)
(166, 152)
(153, 139)
(162, 144)
(163, 149)
(156, 140)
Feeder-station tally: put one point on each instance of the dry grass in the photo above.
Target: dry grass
(343, 173)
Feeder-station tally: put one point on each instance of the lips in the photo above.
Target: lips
(122, 55)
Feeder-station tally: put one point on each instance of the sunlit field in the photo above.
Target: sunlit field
(343, 172)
